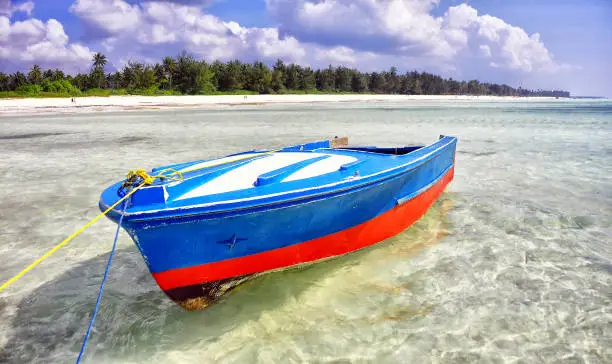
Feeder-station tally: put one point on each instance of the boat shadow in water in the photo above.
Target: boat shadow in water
(49, 324)
(137, 319)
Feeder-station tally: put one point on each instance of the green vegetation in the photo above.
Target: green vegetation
(184, 75)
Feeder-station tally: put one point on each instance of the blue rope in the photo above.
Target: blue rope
(110, 259)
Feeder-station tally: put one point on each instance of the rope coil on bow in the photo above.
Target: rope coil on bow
(138, 177)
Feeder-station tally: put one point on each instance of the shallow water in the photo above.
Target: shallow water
(513, 264)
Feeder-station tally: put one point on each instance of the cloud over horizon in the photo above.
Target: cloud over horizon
(366, 34)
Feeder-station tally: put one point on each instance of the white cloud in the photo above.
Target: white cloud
(485, 50)
(165, 27)
(505, 45)
(7, 9)
(5, 29)
(265, 43)
(111, 16)
(187, 2)
(140, 27)
(44, 43)
(367, 25)
(406, 28)
(26, 7)
(337, 55)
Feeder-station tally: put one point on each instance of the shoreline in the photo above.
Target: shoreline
(133, 103)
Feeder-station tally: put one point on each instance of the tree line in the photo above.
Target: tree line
(186, 75)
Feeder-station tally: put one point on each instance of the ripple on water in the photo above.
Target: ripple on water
(512, 265)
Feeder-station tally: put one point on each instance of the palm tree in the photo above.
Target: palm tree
(99, 60)
(17, 79)
(35, 75)
(97, 76)
(4, 82)
(169, 66)
(58, 75)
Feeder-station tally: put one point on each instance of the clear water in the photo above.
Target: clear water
(513, 264)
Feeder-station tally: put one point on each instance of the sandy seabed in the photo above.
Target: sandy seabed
(124, 103)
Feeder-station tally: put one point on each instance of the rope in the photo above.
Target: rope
(134, 181)
(141, 176)
(99, 299)
(68, 239)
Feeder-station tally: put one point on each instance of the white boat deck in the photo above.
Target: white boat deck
(244, 176)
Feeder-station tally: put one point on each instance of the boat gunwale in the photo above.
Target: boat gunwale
(372, 179)
(293, 202)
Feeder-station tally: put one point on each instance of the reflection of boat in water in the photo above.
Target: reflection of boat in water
(230, 218)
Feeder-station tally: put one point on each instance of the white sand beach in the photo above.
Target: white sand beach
(126, 103)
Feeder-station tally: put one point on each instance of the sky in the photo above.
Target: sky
(537, 44)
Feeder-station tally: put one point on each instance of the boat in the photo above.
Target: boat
(216, 223)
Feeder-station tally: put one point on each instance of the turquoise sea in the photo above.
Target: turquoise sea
(512, 265)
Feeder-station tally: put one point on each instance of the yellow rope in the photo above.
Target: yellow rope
(132, 176)
(67, 240)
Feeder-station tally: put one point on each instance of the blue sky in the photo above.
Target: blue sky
(561, 44)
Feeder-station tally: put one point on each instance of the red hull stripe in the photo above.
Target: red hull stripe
(368, 233)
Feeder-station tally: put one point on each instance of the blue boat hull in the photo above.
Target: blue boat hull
(196, 257)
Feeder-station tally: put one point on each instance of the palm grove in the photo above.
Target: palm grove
(186, 75)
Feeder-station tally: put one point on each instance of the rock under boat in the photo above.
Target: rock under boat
(231, 218)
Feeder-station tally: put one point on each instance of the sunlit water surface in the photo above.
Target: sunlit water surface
(513, 264)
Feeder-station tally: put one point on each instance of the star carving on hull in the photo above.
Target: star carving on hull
(231, 242)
